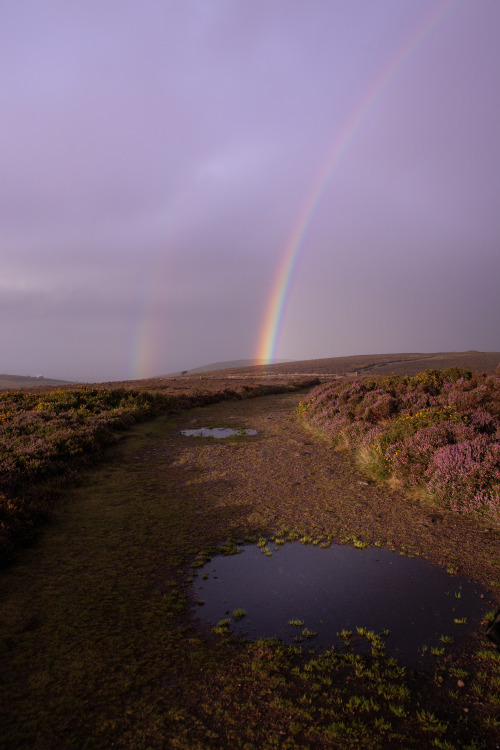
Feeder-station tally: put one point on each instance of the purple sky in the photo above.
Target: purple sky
(154, 155)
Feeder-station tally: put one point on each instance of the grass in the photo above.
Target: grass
(99, 647)
(46, 437)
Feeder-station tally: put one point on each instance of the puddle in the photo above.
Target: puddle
(218, 432)
(337, 588)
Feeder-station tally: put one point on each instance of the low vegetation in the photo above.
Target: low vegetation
(437, 433)
(99, 642)
(46, 437)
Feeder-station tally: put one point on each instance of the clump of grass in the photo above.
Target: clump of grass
(357, 543)
(229, 548)
(263, 546)
(222, 627)
(306, 633)
(307, 539)
(446, 639)
(458, 672)
(430, 723)
(345, 634)
(238, 614)
(490, 655)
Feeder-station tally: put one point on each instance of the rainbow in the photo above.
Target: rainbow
(273, 320)
(144, 360)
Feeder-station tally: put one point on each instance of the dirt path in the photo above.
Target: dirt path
(98, 644)
(287, 478)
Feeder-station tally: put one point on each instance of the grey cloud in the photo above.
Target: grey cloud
(156, 158)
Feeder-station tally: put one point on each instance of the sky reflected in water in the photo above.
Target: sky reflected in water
(335, 588)
(218, 432)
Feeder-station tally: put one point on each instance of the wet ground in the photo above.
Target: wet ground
(100, 645)
(218, 432)
(305, 594)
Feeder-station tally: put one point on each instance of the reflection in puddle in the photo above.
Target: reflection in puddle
(218, 432)
(326, 590)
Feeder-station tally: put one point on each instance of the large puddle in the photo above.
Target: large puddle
(218, 432)
(305, 594)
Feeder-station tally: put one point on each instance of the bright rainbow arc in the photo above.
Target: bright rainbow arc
(273, 321)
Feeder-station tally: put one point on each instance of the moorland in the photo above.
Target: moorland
(108, 512)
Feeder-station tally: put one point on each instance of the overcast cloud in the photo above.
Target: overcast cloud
(154, 156)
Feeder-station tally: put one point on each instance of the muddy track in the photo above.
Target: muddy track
(99, 646)
(286, 477)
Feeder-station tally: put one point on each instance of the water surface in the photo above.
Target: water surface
(218, 432)
(338, 588)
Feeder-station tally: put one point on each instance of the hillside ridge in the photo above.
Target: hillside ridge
(402, 363)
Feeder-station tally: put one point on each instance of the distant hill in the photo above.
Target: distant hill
(225, 366)
(207, 379)
(12, 382)
(379, 364)
(282, 370)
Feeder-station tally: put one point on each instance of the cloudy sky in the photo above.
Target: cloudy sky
(155, 156)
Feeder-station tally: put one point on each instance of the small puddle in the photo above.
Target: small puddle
(218, 432)
(327, 590)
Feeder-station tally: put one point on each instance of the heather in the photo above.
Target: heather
(437, 432)
(44, 438)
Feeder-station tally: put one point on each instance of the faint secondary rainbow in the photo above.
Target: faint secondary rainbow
(273, 320)
(146, 352)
